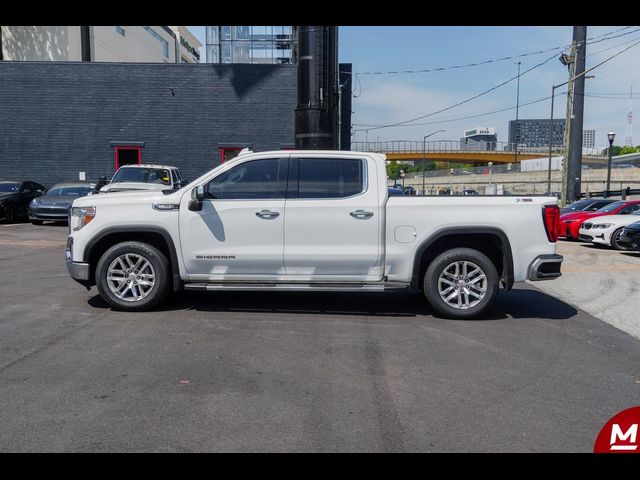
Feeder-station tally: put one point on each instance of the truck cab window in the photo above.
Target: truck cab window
(258, 179)
(330, 178)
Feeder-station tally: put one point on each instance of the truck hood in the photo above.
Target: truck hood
(119, 186)
(125, 198)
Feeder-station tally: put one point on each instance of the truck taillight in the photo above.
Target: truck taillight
(551, 219)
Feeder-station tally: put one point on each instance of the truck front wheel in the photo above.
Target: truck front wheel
(461, 283)
(133, 276)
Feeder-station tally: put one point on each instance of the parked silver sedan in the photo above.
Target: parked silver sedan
(56, 203)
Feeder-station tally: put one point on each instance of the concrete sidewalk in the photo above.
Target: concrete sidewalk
(601, 281)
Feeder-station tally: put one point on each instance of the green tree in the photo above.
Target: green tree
(615, 150)
(625, 150)
(393, 169)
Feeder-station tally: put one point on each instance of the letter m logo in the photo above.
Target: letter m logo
(629, 437)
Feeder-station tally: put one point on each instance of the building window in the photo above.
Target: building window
(251, 44)
(227, 153)
(120, 30)
(127, 156)
(162, 41)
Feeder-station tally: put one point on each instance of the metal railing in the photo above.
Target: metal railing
(416, 146)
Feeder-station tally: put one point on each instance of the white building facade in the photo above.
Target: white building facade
(116, 43)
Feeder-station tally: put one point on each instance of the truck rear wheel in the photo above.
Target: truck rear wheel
(133, 276)
(461, 283)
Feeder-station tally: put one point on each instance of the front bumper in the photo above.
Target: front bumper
(630, 241)
(79, 271)
(46, 213)
(545, 267)
(570, 230)
(595, 235)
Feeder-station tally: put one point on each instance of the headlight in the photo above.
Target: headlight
(80, 216)
(602, 225)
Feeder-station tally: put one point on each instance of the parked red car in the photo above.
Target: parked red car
(570, 222)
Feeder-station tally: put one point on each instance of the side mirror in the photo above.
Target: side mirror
(197, 195)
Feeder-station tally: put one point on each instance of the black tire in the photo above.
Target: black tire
(36, 222)
(448, 258)
(615, 240)
(10, 215)
(161, 269)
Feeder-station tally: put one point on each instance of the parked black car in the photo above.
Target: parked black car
(586, 205)
(56, 203)
(409, 190)
(630, 237)
(15, 197)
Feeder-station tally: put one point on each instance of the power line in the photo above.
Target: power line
(468, 99)
(495, 60)
(502, 84)
(465, 117)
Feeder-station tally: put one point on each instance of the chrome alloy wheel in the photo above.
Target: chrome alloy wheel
(462, 284)
(131, 277)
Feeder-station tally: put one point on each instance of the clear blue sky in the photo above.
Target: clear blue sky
(390, 98)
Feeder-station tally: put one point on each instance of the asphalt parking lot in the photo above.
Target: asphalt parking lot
(295, 371)
(601, 281)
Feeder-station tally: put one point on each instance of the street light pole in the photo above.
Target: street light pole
(610, 136)
(517, 107)
(424, 156)
(490, 164)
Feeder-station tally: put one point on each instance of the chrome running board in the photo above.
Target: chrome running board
(293, 287)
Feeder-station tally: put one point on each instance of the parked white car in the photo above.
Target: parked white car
(310, 221)
(145, 177)
(606, 230)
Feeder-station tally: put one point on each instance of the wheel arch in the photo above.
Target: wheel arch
(491, 241)
(155, 236)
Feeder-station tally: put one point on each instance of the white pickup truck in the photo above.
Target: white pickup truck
(309, 220)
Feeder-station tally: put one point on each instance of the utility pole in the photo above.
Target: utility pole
(571, 180)
(567, 124)
(515, 160)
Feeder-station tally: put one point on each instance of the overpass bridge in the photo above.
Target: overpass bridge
(450, 151)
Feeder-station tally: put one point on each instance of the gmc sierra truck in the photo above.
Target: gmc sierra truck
(309, 220)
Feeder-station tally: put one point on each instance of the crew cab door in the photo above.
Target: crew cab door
(333, 220)
(238, 233)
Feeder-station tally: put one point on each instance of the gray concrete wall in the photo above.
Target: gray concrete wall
(57, 119)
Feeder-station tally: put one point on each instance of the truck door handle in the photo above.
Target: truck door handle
(267, 214)
(361, 214)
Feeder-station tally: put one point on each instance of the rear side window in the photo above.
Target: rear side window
(330, 178)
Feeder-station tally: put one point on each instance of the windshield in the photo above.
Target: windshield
(611, 207)
(143, 175)
(9, 187)
(579, 205)
(71, 191)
